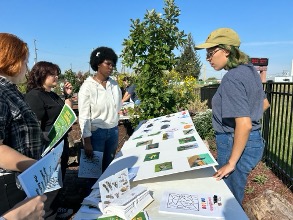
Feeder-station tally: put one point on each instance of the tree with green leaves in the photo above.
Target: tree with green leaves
(189, 62)
(149, 51)
(73, 78)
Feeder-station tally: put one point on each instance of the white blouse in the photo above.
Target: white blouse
(98, 107)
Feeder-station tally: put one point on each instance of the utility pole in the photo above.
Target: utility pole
(36, 55)
(90, 65)
(204, 73)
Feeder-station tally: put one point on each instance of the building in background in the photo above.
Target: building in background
(287, 76)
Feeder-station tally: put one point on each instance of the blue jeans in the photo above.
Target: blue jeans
(105, 140)
(250, 157)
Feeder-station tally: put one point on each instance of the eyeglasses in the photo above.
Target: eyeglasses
(109, 64)
(212, 53)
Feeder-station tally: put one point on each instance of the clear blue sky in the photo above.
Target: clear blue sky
(67, 31)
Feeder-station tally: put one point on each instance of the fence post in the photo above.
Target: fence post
(266, 117)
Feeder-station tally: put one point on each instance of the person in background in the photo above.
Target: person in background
(32, 209)
(237, 106)
(21, 138)
(126, 84)
(99, 101)
(130, 94)
(47, 105)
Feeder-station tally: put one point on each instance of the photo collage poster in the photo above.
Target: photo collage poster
(167, 145)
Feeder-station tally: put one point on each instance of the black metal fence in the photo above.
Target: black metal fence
(278, 130)
(277, 127)
(207, 93)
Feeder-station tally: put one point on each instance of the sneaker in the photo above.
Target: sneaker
(64, 213)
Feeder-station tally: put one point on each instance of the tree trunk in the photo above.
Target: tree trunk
(270, 205)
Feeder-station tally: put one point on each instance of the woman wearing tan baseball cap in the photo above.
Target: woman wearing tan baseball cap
(237, 106)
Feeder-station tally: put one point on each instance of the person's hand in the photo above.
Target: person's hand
(67, 88)
(28, 209)
(224, 171)
(88, 149)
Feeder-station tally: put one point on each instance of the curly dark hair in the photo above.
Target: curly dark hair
(39, 73)
(100, 54)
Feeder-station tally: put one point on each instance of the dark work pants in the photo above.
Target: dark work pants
(10, 195)
(52, 202)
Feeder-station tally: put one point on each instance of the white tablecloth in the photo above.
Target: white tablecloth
(192, 181)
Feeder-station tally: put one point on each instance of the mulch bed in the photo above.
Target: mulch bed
(260, 179)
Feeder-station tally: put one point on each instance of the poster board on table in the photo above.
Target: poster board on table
(167, 145)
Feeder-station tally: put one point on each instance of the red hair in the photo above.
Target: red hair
(13, 52)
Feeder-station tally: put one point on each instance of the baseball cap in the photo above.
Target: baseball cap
(225, 36)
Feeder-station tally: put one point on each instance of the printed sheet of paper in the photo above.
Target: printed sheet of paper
(62, 124)
(36, 178)
(55, 181)
(90, 168)
(197, 204)
(113, 187)
(132, 172)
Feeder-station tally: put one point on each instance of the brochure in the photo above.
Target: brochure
(41, 177)
(62, 124)
(139, 216)
(130, 203)
(118, 199)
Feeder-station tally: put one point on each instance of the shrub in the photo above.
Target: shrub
(260, 179)
(203, 124)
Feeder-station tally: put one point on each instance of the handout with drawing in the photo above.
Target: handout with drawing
(197, 204)
(118, 199)
(62, 124)
(90, 168)
(113, 187)
(36, 179)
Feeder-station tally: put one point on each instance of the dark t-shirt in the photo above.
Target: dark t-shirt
(240, 94)
(131, 91)
(123, 91)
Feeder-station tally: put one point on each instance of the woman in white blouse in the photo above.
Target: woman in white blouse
(99, 101)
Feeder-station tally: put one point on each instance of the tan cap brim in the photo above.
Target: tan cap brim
(205, 45)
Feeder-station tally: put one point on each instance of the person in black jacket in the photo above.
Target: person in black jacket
(47, 105)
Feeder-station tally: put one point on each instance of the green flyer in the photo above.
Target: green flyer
(62, 124)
